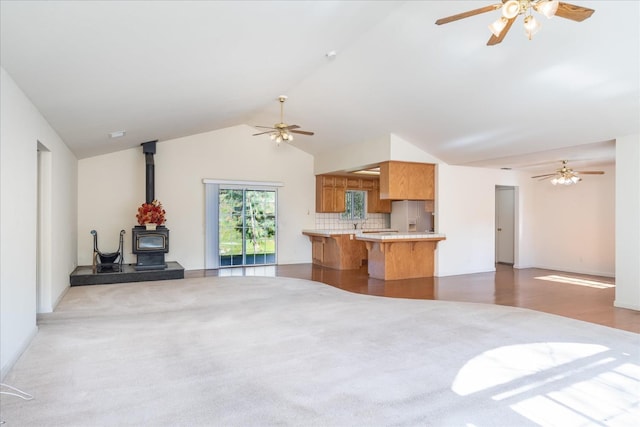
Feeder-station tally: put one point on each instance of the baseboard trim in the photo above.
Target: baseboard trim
(619, 304)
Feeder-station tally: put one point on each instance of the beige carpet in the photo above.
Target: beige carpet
(252, 351)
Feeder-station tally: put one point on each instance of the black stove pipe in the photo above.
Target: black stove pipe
(149, 149)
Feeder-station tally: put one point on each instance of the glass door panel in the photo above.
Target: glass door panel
(247, 227)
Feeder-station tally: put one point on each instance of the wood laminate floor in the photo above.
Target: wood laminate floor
(578, 296)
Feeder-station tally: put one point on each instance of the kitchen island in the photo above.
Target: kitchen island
(394, 256)
(336, 249)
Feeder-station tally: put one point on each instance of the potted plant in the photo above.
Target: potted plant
(151, 215)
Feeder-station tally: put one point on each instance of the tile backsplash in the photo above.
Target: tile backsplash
(333, 221)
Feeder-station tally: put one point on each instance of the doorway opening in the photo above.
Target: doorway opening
(505, 211)
(246, 227)
(43, 231)
(241, 224)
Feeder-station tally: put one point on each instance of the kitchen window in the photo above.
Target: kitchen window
(356, 205)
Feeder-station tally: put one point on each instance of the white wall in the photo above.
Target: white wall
(628, 222)
(22, 127)
(402, 150)
(575, 225)
(180, 166)
(465, 213)
(353, 156)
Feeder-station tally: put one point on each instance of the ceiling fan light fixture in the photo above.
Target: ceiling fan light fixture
(531, 26)
(511, 9)
(547, 7)
(497, 27)
(567, 177)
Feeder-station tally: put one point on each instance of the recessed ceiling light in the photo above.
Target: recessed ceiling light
(331, 54)
(372, 171)
(117, 134)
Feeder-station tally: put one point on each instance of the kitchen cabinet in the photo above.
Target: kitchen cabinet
(368, 184)
(375, 204)
(407, 181)
(337, 251)
(330, 194)
(317, 249)
(331, 189)
(354, 183)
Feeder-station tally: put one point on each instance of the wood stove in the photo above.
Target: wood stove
(150, 247)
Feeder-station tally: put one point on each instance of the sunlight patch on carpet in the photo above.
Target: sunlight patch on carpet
(584, 390)
(506, 364)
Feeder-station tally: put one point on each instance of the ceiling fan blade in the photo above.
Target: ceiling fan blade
(468, 14)
(302, 132)
(262, 133)
(291, 127)
(543, 176)
(495, 40)
(590, 172)
(265, 127)
(573, 12)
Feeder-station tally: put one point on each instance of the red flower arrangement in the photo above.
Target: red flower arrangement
(151, 213)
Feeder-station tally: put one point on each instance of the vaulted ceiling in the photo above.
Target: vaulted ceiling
(166, 69)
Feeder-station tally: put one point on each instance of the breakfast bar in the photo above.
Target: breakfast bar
(393, 256)
(336, 249)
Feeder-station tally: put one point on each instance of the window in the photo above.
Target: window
(355, 201)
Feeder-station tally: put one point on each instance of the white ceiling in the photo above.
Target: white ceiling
(166, 69)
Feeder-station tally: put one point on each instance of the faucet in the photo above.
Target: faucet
(355, 225)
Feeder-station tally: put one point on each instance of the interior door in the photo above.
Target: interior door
(246, 226)
(505, 221)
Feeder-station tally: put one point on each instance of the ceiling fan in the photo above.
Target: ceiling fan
(565, 175)
(282, 131)
(511, 9)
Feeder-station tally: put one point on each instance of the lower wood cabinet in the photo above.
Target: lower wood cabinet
(340, 252)
(317, 249)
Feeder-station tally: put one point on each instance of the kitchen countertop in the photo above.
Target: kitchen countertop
(377, 234)
(329, 232)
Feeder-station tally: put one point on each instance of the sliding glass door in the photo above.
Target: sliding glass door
(246, 226)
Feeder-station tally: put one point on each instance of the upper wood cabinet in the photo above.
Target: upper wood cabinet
(354, 183)
(368, 184)
(407, 181)
(375, 204)
(331, 189)
(330, 192)
(331, 181)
